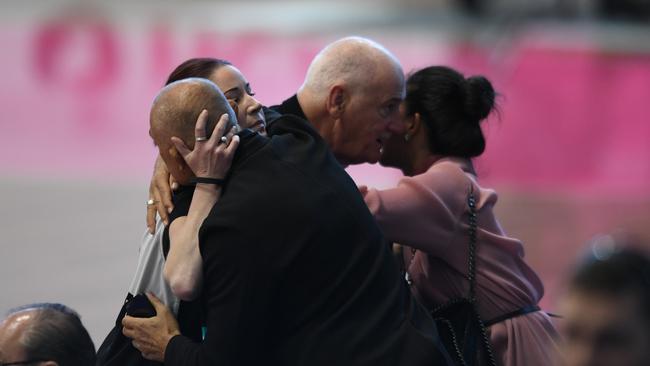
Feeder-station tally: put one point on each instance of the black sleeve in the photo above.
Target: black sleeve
(238, 286)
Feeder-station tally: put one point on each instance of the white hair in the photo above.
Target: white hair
(351, 60)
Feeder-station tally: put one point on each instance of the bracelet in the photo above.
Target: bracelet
(206, 180)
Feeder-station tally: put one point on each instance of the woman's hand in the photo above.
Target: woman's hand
(363, 190)
(160, 194)
(211, 158)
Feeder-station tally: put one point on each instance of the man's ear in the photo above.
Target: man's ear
(336, 100)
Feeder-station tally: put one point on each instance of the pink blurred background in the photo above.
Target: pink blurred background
(569, 150)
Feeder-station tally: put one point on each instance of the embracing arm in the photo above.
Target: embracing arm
(160, 191)
(420, 212)
(183, 268)
(209, 159)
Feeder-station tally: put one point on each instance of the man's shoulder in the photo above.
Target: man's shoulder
(289, 123)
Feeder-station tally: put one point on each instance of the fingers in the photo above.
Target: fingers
(129, 325)
(160, 192)
(157, 304)
(165, 198)
(363, 190)
(219, 129)
(145, 349)
(199, 128)
(160, 207)
(232, 146)
(172, 183)
(181, 147)
(151, 216)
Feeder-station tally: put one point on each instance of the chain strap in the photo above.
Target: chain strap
(471, 275)
(471, 202)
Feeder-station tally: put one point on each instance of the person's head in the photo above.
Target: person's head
(45, 335)
(351, 94)
(607, 312)
(174, 113)
(233, 85)
(442, 114)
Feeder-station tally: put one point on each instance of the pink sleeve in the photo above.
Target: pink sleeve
(421, 212)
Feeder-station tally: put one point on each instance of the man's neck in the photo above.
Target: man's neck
(319, 119)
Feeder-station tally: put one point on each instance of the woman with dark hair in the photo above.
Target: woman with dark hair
(236, 89)
(430, 214)
(233, 85)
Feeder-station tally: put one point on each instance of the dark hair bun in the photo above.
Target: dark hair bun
(480, 97)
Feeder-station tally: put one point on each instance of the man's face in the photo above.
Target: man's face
(11, 330)
(370, 118)
(602, 330)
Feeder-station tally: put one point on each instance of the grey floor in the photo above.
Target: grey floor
(74, 243)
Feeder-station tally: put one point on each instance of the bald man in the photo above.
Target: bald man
(295, 270)
(46, 335)
(350, 95)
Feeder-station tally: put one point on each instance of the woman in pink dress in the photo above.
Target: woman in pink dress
(428, 213)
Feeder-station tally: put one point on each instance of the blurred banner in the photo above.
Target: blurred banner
(76, 92)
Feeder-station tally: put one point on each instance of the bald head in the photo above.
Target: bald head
(177, 107)
(48, 332)
(355, 61)
(174, 113)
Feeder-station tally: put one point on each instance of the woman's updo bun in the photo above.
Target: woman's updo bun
(479, 100)
(451, 107)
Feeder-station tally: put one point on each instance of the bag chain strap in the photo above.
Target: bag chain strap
(471, 202)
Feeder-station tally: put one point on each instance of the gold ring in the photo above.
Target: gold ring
(151, 202)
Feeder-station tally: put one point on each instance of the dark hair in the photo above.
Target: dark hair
(451, 108)
(196, 68)
(625, 271)
(57, 334)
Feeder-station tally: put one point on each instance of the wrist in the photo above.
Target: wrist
(206, 187)
(167, 341)
(209, 180)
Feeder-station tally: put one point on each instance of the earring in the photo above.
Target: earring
(407, 137)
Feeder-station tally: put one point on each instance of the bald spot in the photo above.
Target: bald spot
(12, 330)
(355, 61)
(177, 107)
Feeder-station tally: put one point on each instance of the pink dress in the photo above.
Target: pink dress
(428, 214)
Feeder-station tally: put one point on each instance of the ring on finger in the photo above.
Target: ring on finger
(201, 138)
(151, 202)
(223, 139)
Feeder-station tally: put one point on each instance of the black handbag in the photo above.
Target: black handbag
(117, 349)
(461, 329)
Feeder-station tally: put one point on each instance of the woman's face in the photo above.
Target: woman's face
(238, 92)
(393, 150)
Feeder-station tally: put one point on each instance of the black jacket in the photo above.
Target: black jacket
(296, 271)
